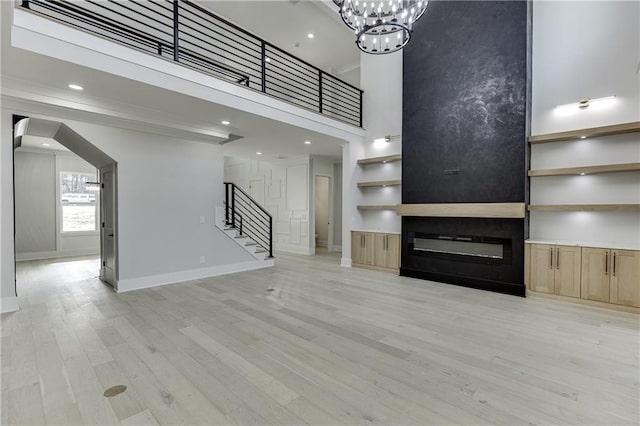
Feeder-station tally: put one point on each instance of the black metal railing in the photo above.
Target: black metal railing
(247, 216)
(192, 35)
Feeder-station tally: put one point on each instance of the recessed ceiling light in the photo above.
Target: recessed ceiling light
(267, 59)
(258, 153)
(307, 142)
(75, 87)
(310, 35)
(225, 122)
(583, 137)
(46, 144)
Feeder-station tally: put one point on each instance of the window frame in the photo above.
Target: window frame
(85, 232)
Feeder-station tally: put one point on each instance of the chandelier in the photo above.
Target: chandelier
(381, 26)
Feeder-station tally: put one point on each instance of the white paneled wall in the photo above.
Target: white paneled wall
(287, 187)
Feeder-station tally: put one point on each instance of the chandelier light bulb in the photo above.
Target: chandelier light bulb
(381, 18)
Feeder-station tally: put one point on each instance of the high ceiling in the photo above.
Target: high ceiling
(24, 70)
(287, 23)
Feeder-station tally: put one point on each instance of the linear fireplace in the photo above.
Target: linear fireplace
(464, 248)
(485, 253)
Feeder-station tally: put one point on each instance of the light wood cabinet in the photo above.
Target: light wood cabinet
(611, 275)
(542, 271)
(555, 269)
(567, 271)
(596, 265)
(387, 251)
(595, 274)
(362, 248)
(375, 249)
(625, 278)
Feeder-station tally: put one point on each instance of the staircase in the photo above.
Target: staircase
(246, 222)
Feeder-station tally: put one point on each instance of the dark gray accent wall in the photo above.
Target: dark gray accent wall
(464, 107)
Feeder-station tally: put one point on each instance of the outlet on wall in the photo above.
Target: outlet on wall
(201, 259)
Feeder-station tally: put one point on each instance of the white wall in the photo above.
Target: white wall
(8, 299)
(38, 228)
(286, 191)
(288, 196)
(585, 49)
(164, 186)
(381, 80)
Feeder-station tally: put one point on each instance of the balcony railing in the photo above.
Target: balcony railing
(187, 33)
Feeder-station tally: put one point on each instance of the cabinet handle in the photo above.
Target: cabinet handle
(614, 264)
(606, 263)
(386, 242)
(362, 240)
(557, 257)
(551, 258)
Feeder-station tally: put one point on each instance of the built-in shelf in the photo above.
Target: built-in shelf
(587, 170)
(379, 183)
(490, 210)
(378, 207)
(380, 160)
(584, 207)
(617, 129)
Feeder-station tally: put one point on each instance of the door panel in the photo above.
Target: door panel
(596, 267)
(542, 273)
(567, 273)
(393, 251)
(379, 250)
(367, 257)
(357, 249)
(625, 277)
(107, 231)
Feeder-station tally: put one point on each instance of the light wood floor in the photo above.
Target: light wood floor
(328, 345)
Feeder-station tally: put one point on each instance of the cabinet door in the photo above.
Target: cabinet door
(393, 251)
(357, 247)
(367, 255)
(625, 277)
(596, 267)
(380, 250)
(567, 273)
(542, 272)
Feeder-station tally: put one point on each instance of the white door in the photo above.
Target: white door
(108, 228)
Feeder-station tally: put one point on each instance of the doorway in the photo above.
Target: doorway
(108, 226)
(74, 185)
(322, 207)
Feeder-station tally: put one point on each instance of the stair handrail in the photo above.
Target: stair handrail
(230, 214)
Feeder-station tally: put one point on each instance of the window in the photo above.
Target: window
(78, 200)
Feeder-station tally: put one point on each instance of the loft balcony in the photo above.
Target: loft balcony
(188, 34)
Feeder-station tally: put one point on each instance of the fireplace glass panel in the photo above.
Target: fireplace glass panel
(464, 248)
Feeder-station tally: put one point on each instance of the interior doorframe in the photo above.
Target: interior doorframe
(113, 168)
(330, 215)
(98, 159)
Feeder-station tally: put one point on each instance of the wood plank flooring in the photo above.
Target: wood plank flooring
(327, 346)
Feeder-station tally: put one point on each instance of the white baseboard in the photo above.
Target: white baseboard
(41, 255)
(346, 262)
(337, 248)
(294, 249)
(321, 243)
(193, 274)
(9, 304)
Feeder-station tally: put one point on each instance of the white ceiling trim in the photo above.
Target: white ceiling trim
(26, 104)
